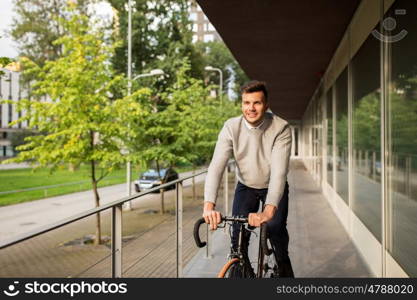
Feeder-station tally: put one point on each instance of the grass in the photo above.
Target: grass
(18, 179)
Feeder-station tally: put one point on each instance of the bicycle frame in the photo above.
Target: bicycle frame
(238, 254)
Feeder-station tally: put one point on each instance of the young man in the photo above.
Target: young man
(261, 145)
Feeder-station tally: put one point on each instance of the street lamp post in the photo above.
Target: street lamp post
(210, 68)
(155, 72)
(129, 91)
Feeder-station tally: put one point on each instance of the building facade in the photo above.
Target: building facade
(10, 89)
(203, 30)
(359, 135)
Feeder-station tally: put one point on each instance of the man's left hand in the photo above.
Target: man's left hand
(256, 219)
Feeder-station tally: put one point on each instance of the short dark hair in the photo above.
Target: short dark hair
(255, 86)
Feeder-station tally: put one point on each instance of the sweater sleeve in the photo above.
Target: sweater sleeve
(280, 158)
(222, 153)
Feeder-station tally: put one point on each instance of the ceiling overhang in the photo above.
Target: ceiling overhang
(288, 44)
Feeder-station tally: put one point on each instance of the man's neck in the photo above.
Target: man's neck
(256, 125)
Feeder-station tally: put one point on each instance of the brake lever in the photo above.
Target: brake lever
(221, 226)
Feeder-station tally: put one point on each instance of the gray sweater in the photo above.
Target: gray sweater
(262, 156)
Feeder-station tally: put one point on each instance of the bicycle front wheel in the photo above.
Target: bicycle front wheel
(235, 268)
(231, 268)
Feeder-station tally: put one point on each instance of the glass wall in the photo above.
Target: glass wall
(366, 112)
(398, 108)
(329, 125)
(319, 134)
(402, 112)
(341, 92)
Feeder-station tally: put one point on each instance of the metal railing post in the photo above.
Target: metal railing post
(367, 169)
(179, 228)
(208, 241)
(116, 241)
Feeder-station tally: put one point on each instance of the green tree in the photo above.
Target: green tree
(18, 138)
(80, 123)
(36, 26)
(161, 37)
(186, 130)
(4, 62)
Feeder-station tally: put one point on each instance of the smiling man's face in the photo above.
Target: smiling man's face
(254, 107)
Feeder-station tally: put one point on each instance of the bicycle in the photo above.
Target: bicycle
(238, 264)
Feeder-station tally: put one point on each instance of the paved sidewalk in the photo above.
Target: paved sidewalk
(319, 245)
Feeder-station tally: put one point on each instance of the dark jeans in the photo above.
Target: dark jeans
(247, 200)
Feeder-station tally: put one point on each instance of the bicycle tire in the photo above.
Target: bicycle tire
(235, 269)
(227, 267)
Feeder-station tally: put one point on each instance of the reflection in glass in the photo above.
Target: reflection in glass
(342, 136)
(318, 125)
(366, 135)
(329, 123)
(402, 110)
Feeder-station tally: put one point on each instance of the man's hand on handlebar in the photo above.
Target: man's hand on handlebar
(211, 216)
(256, 219)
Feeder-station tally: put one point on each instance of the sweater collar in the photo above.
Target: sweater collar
(249, 126)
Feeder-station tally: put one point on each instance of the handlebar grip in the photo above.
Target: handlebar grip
(264, 237)
(197, 239)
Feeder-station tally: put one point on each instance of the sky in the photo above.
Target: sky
(7, 46)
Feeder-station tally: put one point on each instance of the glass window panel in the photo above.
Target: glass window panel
(342, 136)
(366, 135)
(402, 111)
(193, 16)
(319, 122)
(208, 38)
(329, 120)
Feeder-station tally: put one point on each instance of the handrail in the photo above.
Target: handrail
(87, 213)
(116, 227)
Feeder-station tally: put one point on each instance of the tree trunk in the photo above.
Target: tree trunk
(97, 240)
(71, 167)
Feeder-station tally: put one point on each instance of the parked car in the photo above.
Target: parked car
(150, 179)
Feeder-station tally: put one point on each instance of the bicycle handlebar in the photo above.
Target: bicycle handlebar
(200, 221)
(263, 237)
(197, 239)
